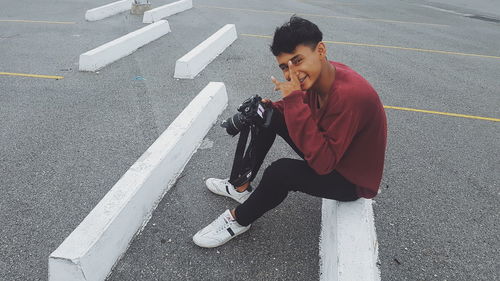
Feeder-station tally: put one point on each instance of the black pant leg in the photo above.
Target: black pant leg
(266, 137)
(286, 175)
(279, 126)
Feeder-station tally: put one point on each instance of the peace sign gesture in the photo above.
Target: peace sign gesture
(288, 87)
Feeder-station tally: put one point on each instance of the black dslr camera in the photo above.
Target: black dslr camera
(252, 115)
(251, 112)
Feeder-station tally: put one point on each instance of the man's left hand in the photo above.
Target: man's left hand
(288, 87)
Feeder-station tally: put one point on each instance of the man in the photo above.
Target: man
(329, 115)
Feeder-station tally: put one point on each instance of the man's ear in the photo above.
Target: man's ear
(321, 49)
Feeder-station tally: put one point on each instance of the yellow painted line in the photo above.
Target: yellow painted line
(256, 35)
(40, 21)
(392, 47)
(443, 113)
(317, 15)
(412, 109)
(413, 49)
(32, 75)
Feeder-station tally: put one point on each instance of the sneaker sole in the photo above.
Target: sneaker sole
(224, 242)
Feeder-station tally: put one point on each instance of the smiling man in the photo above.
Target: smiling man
(329, 115)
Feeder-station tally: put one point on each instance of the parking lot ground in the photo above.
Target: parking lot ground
(65, 142)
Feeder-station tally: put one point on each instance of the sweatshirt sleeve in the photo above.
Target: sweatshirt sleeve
(322, 149)
(278, 105)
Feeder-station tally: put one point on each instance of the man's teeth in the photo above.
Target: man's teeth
(302, 80)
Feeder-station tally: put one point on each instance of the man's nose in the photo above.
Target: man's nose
(289, 77)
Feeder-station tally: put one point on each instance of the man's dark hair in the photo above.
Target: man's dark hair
(293, 33)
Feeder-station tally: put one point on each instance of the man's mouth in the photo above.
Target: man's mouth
(302, 79)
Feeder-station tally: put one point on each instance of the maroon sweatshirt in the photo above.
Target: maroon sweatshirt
(348, 134)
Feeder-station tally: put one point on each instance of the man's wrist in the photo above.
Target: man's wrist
(294, 96)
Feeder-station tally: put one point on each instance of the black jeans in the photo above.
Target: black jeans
(286, 175)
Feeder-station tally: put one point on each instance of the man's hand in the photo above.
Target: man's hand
(288, 87)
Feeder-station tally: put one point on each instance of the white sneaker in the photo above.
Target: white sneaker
(221, 230)
(224, 188)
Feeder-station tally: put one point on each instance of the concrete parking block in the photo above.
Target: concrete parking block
(164, 11)
(93, 248)
(108, 10)
(348, 244)
(121, 47)
(197, 59)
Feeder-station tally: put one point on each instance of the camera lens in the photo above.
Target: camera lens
(233, 124)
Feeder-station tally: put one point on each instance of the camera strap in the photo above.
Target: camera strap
(243, 162)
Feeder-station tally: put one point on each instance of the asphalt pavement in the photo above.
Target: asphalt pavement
(64, 143)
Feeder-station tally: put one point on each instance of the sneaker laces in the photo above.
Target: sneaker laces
(227, 185)
(224, 223)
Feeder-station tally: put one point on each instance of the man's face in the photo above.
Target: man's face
(307, 62)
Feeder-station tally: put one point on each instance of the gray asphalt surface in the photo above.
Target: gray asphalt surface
(64, 143)
(489, 9)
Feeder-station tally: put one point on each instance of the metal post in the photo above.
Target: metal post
(140, 6)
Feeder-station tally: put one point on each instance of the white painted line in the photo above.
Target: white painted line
(93, 248)
(164, 11)
(121, 47)
(446, 11)
(108, 10)
(197, 59)
(348, 243)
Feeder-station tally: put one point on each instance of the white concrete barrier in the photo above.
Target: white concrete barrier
(348, 243)
(197, 59)
(164, 11)
(93, 248)
(121, 47)
(108, 10)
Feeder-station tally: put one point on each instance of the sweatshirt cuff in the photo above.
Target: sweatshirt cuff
(294, 97)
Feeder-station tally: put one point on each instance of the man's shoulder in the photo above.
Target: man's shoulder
(353, 85)
(346, 73)
(353, 89)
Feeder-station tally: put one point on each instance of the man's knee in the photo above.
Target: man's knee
(279, 168)
(266, 133)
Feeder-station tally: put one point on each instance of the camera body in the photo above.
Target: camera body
(251, 112)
